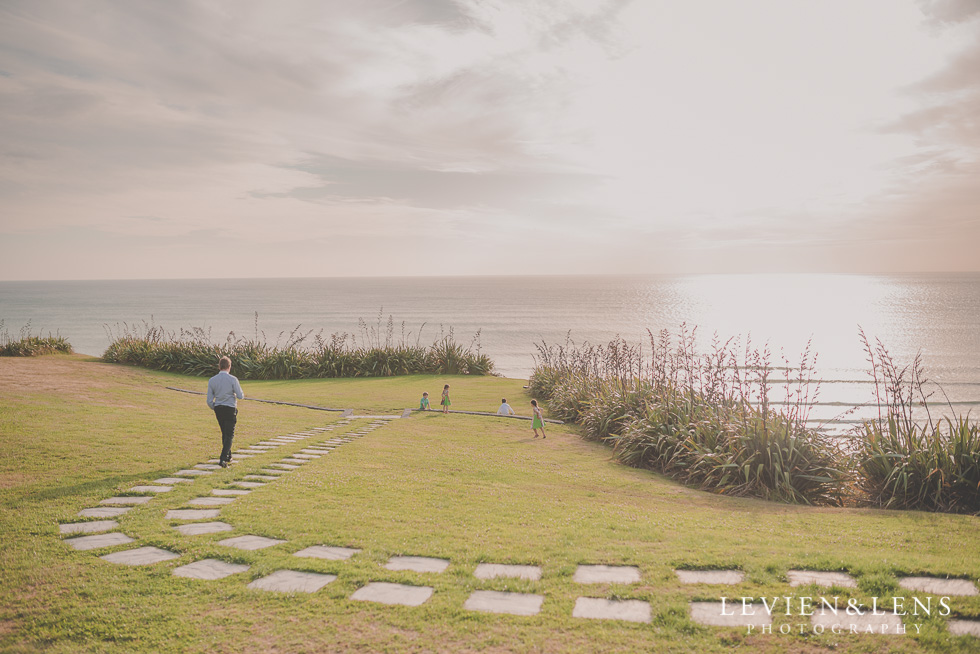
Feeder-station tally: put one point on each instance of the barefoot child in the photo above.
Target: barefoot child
(445, 399)
(424, 404)
(538, 422)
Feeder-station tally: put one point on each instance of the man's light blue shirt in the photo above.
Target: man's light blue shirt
(223, 388)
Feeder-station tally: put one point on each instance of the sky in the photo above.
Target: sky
(319, 138)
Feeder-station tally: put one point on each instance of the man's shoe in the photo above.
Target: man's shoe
(223, 464)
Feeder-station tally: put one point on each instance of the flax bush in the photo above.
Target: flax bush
(31, 345)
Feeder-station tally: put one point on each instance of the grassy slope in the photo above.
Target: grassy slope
(470, 489)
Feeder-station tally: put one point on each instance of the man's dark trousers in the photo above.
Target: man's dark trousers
(227, 417)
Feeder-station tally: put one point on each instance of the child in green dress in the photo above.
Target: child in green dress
(445, 399)
(538, 421)
(424, 404)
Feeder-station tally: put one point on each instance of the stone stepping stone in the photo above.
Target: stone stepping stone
(937, 586)
(150, 489)
(210, 501)
(193, 473)
(492, 601)
(192, 514)
(229, 491)
(285, 466)
(274, 472)
(209, 569)
(103, 512)
(260, 478)
(91, 527)
(270, 444)
(250, 542)
(388, 593)
(140, 556)
(606, 574)
(247, 484)
(804, 577)
(238, 456)
(964, 628)
(597, 608)
(291, 581)
(294, 461)
(710, 576)
(886, 624)
(306, 456)
(99, 541)
(329, 553)
(311, 450)
(417, 564)
(494, 570)
(170, 481)
(207, 466)
(714, 614)
(197, 528)
(127, 500)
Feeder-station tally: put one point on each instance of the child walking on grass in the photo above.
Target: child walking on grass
(445, 399)
(538, 421)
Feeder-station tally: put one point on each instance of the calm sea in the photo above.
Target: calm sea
(936, 314)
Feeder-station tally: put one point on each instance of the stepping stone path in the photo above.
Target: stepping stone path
(710, 576)
(491, 601)
(804, 577)
(488, 601)
(716, 614)
(605, 609)
(606, 574)
(387, 593)
(291, 581)
(209, 569)
(417, 564)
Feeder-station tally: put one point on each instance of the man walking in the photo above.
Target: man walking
(223, 389)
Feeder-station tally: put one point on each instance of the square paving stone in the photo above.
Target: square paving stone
(104, 512)
(99, 540)
(937, 586)
(193, 473)
(964, 628)
(140, 556)
(886, 624)
(192, 514)
(207, 466)
(250, 542)
(170, 481)
(491, 601)
(494, 570)
(151, 489)
(606, 574)
(126, 500)
(292, 581)
(247, 484)
(210, 501)
(285, 466)
(714, 615)
(209, 569)
(710, 576)
(87, 527)
(329, 553)
(229, 491)
(261, 477)
(604, 609)
(294, 461)
(804, 577)
(387, 593)
(417, 564)
(197, 528)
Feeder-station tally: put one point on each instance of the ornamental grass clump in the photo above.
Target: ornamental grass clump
(906, 460)
(31, 345)
(298, 355)
(705, 419)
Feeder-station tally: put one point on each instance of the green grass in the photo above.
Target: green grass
(469, 489)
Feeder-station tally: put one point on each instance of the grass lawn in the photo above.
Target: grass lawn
(74, 431)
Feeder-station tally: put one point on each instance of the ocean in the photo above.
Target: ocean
(935, 315)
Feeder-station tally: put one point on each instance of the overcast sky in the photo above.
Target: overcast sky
(308, 138)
